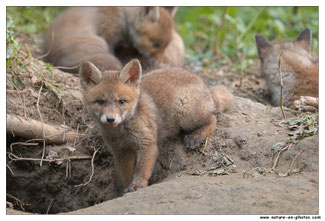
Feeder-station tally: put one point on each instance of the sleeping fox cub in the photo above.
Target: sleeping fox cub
(135, 113)
(109, 36)
(299, 68)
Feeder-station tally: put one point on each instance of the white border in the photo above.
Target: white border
(5, 3)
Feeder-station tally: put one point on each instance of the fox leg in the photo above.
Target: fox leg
(196, 138)
(146, 158)
(124, 166)
(306, 103)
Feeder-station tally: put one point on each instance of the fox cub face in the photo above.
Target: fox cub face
(298, 50)
(111, 96)
(298, 67)
(152, 33)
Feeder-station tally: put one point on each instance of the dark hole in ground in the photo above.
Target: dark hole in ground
(53, 187)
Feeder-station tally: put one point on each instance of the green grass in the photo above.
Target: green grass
(200, 26)
(32, 20)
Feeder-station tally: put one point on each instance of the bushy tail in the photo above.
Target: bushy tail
(222, 98)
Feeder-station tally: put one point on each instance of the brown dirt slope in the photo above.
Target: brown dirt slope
(254, 163)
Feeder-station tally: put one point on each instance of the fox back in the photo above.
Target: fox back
(299, 69)
(183, 103)
(137, 114)
(108, 36)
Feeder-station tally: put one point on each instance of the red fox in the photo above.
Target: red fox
(134, 114)
(299, 69)
(111, 36)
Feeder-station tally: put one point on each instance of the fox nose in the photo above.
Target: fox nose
(110, 119)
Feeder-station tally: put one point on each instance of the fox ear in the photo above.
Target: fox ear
(171, 9)
(150, 12)
(89, 75)
(131, 73)
(262, 45)
(304, 39)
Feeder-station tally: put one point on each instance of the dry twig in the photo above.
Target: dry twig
(68, 169)
(34, 129)
(92, 170)
(67, 68)
(293, 162)
(14, 157)
(17, 201)
(48, 208)
(281, 85)
(205, 146)
(75, 140)
(48, 52)
(276, 160)
(40, 115)
(12, 172)
(23, 143)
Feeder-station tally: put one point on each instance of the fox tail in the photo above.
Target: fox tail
(222, 98)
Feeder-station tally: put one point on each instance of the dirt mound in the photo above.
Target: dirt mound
(254, 158)
(43, 177)
(221, 195)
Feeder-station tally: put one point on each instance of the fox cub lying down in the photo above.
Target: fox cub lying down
(111, 36)
(135, 113)
(299, 69)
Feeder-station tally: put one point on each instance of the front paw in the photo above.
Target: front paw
(193, 141)
(306, 104)
(134, 186)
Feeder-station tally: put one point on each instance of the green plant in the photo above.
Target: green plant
(11, 43)
(229, 31)
(32, 20)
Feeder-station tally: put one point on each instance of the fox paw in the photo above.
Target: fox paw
(133, 187)
(306, 104)
(193, 141)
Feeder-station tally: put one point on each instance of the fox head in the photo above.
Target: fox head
(298, 67)
(111, 96)
(152, 32)
(297, 51)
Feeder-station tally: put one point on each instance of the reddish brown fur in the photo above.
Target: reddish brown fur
(223, 99)
(160, 32)
(109, 36)
(166, 102)
(306, 76)
(175, 51)
(299, 69)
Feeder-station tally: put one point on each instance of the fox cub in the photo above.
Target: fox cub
(136, 113)
(299, 69)
(109, 36)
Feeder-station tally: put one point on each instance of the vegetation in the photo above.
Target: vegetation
(19, 59)
(32, 20)
(213, 36)
(209, 32)
(304, 126)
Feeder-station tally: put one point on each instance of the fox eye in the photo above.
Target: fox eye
(121, 101)
(100, 102)
(155, 44)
